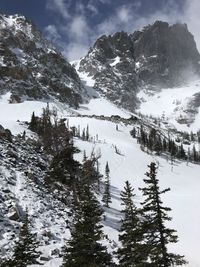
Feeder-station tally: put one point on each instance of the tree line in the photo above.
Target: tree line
(152, 141)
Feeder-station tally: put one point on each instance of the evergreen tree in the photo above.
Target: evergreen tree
(87, 135)
(106, 195)
(89, 172)
(65, 169)
(194, 154)
(133, 132)
(25, 248)
(132, 253)
(33, 123)
(83, 135)
(84, 248)
(157, 235)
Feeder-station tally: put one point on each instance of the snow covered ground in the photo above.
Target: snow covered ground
(183, 180)
(12, 115)
(171, 102)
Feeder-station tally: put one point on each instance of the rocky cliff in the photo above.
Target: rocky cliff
(31, 68)
(158, 56)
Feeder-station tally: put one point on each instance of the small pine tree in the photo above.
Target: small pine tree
(33, 122)
(194, 154)
(87, 135)
(157, 235)
(106, 195)
(83, 135)
(84, 248)
(132, 252)
(25, 248)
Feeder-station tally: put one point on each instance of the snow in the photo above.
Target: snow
(138, 64)
(84, 76)
(115, 61)
(131, 165)
(101, 106)
(21, 56)
(172, 102)
(2, 64)
(13, 21)
(184, 181)
(13, 114)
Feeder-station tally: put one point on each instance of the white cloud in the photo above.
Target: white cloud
(60, 7)
(124, 14)
(75, 50)
(91, 7)
(52, 33)
(81, 35)
(192, 18)
(78, 27)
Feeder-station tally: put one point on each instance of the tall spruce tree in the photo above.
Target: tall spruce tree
(157, 235)
(106, 195)
(84, 248)
(25, 248)
(132, 252)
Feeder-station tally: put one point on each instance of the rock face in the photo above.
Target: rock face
(158, 56)
(31, 68)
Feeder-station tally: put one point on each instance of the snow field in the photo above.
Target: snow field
(184, 181)
(172, 102)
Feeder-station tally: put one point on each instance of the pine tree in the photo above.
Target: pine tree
(25, 248)
(106, 195)
(194, 154)
(65, 169)
(158, 236)
(83, 135)
(132, 252)
(89, 173)
(87, 135)
(33, 122)
(84, 248)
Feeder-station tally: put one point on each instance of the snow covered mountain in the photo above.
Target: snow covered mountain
(118, 77)
(31, 68)
(158, 56)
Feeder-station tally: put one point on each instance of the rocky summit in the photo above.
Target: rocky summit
(158, 56)
(31, 68)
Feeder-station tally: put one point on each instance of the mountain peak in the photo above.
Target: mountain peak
(31, 68)
(160, 55)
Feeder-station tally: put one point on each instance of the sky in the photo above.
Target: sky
(74, 25)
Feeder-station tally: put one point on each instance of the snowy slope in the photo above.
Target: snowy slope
(174, 103)
(13, 115)
(183, 180)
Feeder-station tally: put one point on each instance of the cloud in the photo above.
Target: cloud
(91, 7)
(124, 14)
(52, 33)
(78, 27)
(75, 50)
(191, 17)
(60, 7)
(77, 32)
